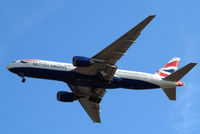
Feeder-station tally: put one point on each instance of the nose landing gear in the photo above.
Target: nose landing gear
(22, 76)
(23, 80)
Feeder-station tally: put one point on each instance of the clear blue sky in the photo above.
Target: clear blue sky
(59, 29)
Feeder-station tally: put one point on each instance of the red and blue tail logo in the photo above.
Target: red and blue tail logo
(169, 68)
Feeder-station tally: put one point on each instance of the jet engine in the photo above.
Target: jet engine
(80, 61)
(65, 96)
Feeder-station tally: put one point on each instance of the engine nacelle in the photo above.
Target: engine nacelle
(80, 61)
(65, 96)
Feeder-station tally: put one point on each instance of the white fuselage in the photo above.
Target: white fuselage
(64, 72)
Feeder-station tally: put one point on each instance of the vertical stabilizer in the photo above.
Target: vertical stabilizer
(169, 68)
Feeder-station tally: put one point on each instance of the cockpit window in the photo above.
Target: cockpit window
(23, 61)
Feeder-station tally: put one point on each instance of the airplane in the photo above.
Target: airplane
(88, 78)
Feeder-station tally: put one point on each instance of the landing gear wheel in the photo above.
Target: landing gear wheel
(99, 100)
(22, 76)
(23, 80)
(91, 99)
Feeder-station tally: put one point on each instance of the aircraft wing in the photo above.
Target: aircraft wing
(117, 49)
(91, 107)
(106, 59)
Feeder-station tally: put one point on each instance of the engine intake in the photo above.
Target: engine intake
(80, 61)
(65, 96)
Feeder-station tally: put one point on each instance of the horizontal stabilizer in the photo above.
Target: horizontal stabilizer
(170, 92)
(176, 76)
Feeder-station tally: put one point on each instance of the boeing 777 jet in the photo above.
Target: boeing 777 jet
(88, 78)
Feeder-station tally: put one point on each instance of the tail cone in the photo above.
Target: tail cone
(180, 83)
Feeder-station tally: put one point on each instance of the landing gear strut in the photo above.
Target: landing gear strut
(103, 77)
(22, 76)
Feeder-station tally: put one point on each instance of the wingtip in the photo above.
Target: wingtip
(97, 121)
(193, 63)
(152, 16)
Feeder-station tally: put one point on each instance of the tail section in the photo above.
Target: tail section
(169, 68)
(168, 72)
(176, 76)
(170, 92)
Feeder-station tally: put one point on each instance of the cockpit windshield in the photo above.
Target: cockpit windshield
(22, 61)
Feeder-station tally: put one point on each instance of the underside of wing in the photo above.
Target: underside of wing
(113, 52)
(92, 109)
(90, 100)
(105, 60)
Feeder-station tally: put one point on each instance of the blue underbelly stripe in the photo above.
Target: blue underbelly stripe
(78, 79)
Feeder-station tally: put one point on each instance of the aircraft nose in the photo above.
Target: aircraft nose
(9, 66)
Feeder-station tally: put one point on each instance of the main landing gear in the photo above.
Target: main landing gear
(103, 77)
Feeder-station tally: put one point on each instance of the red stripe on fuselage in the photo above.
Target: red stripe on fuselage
(30, 60)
